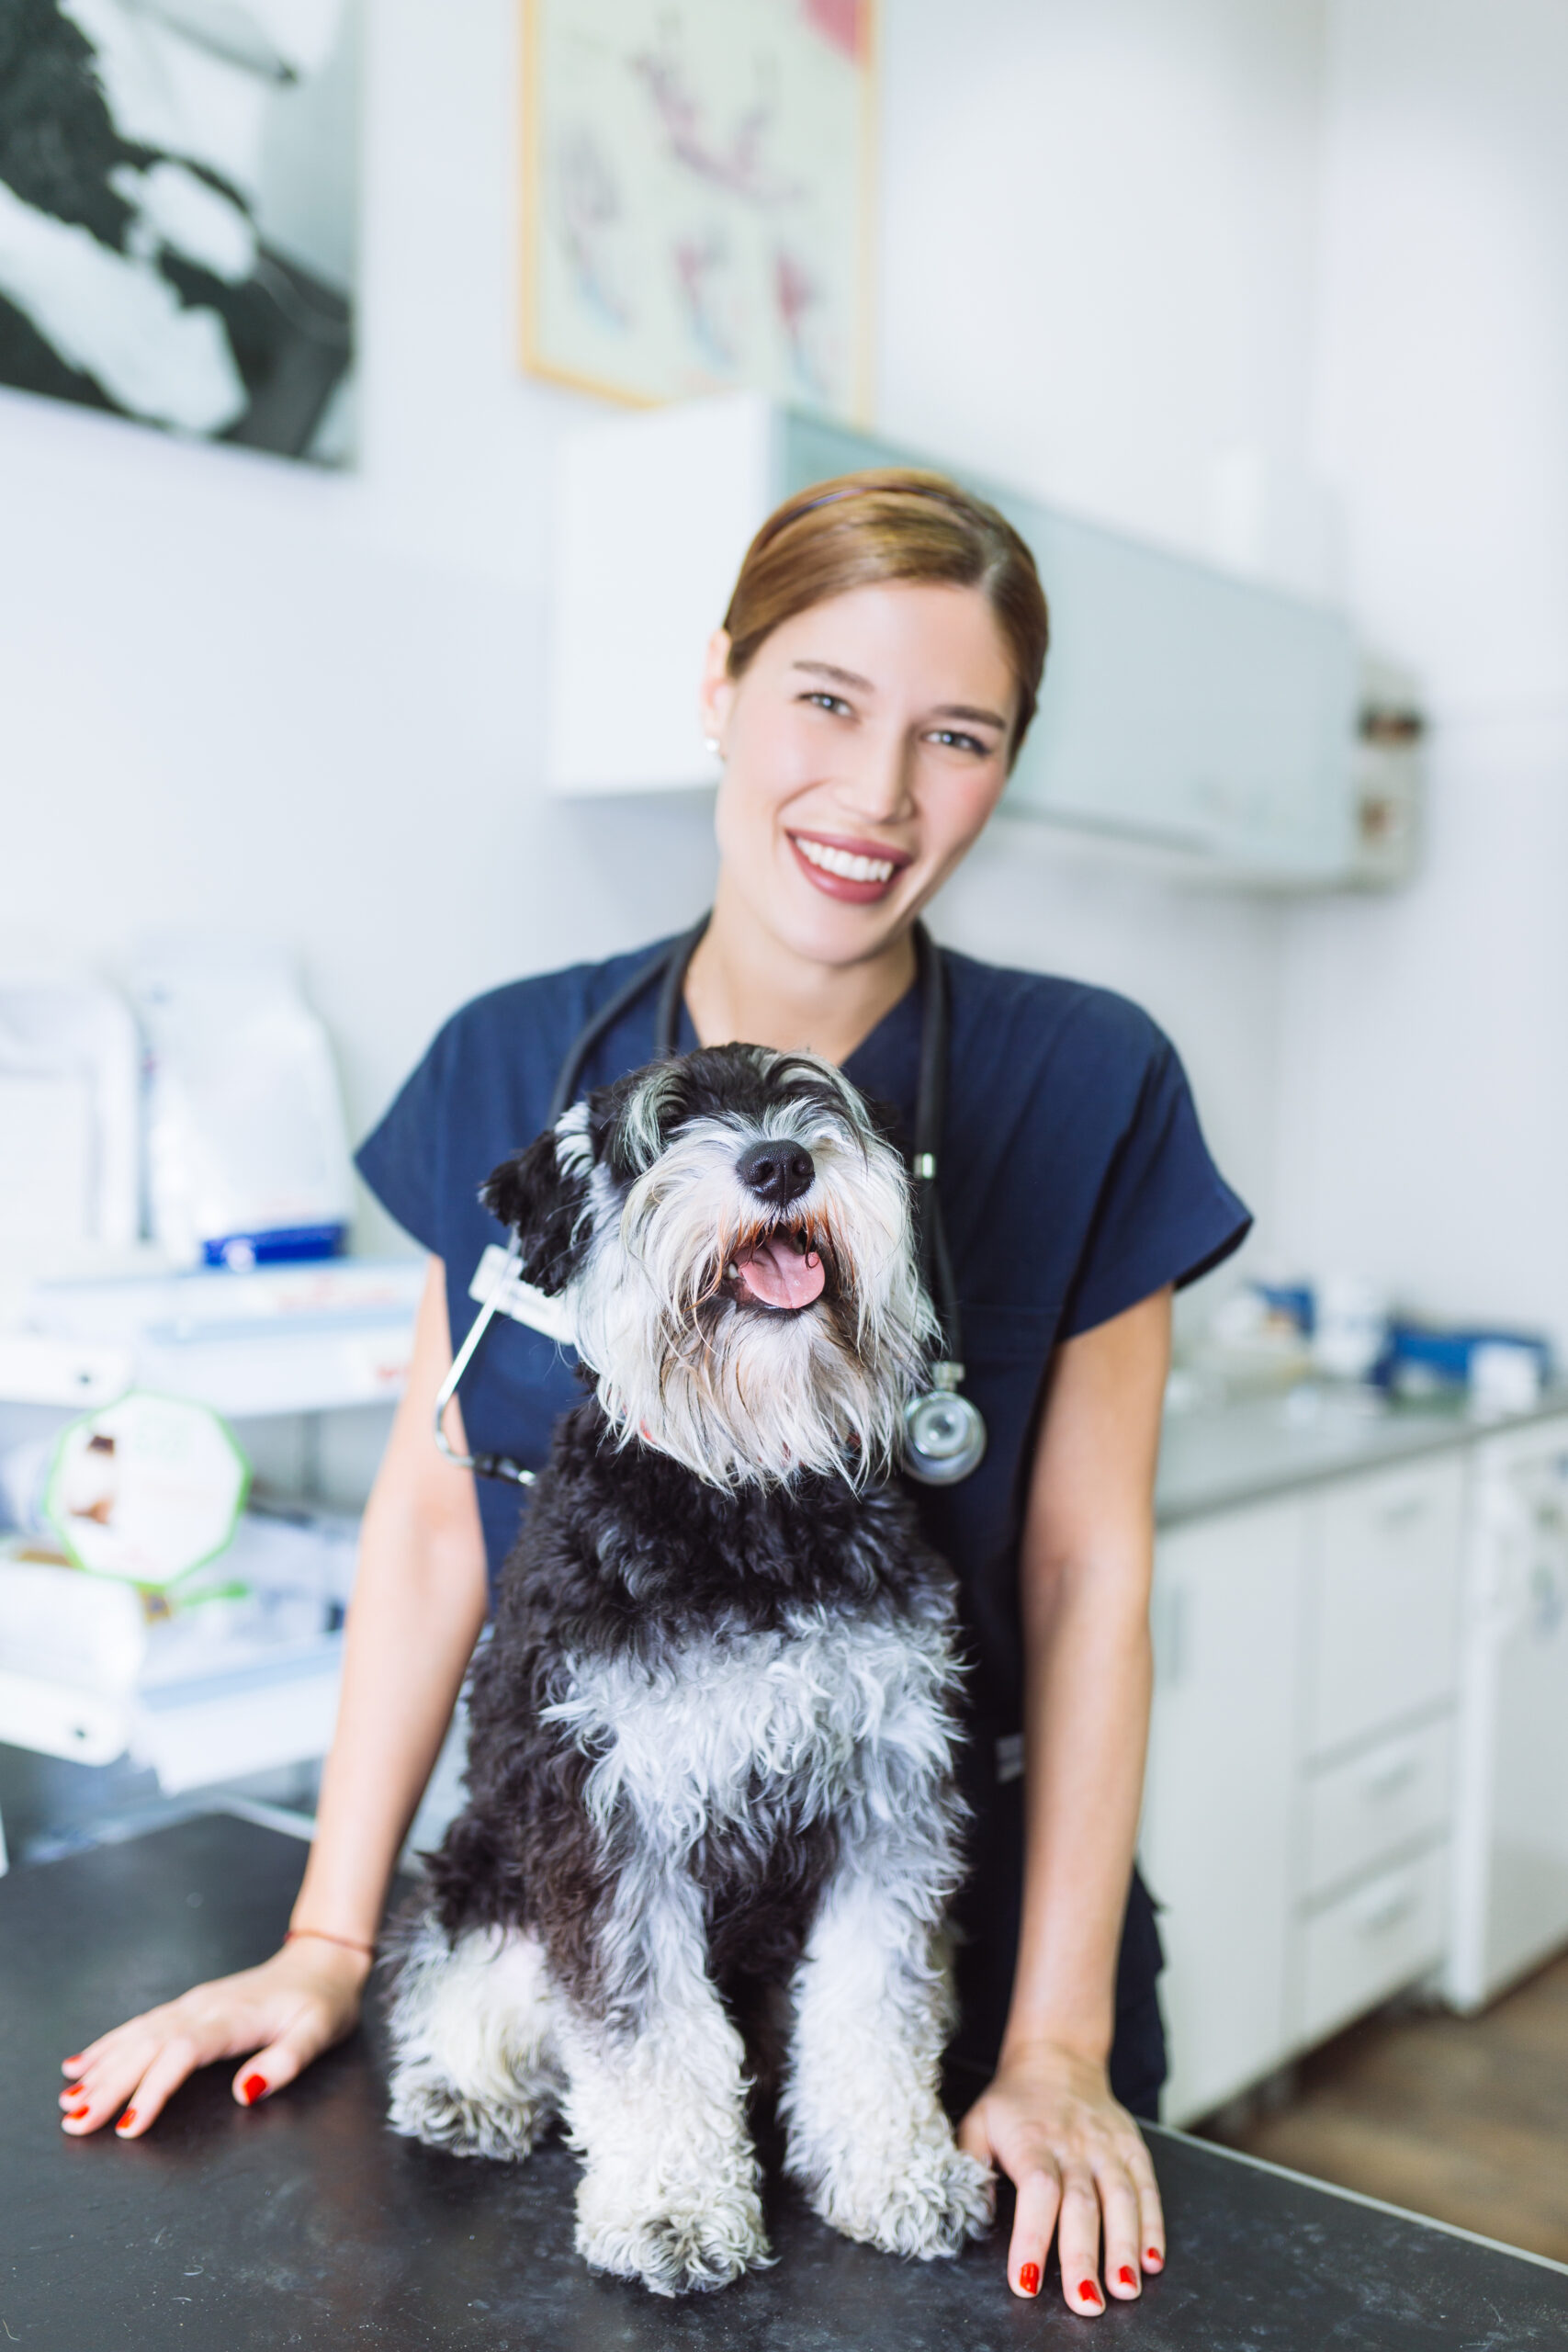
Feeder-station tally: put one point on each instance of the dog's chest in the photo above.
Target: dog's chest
(817, 1717)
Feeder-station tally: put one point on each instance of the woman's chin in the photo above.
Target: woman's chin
(834, 929)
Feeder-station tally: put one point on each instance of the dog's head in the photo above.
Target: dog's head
(730, 1234)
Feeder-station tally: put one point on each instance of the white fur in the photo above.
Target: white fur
(868, 2137)
(670, 2188)
(738, 1393)
(851, 1716)
(472, 2028)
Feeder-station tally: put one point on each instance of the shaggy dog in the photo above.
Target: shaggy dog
(711, 1750)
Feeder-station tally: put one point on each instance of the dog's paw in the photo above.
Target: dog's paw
(684, 2245)
(425, 2105)
(922, 2201)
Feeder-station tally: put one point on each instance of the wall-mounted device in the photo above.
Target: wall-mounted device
(1183, 709)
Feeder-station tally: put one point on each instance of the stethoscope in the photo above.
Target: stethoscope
(944, 1435)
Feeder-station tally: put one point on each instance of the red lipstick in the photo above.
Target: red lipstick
(818, 854)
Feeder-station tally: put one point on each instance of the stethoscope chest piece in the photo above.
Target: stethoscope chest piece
(944, 1436)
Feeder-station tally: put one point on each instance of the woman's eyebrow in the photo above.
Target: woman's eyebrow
(964, 710)
(839, 677)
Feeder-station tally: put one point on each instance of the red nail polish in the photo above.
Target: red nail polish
(252, 2089)
(76, 2059)
(127, 2119)
(1154, 2257)
(1087, 2291)
(1028, 2279)
(1127, 2275)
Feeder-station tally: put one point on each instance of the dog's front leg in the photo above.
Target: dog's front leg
(655, 2103)
(868, 2136)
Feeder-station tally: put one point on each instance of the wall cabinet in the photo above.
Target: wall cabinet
(1297, 1802)
(1184, 708)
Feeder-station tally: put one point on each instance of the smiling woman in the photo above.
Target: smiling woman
(871, 687)
(873, 678)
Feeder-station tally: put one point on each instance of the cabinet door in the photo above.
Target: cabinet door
(1216, 1844)
(1386, 1630)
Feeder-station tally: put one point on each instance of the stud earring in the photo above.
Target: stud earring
(710, 743)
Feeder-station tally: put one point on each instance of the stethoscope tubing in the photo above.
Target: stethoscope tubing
(669, 969)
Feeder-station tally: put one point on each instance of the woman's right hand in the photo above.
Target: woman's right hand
(276, 2018)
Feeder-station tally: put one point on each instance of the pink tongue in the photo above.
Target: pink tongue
(778, 1274)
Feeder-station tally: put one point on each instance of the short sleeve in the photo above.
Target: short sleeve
(1165, 1213)
(399, 1158)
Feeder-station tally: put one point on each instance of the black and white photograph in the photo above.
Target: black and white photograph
(178, 214)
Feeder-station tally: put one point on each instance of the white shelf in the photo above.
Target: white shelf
(280, 1340)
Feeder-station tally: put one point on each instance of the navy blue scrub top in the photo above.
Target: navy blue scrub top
(1075, 1182)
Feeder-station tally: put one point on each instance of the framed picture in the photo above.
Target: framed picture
(178, 202)
(699, 184)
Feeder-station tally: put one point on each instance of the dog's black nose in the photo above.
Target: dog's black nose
(777, 1172)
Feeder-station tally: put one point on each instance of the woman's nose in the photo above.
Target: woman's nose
(875, 785)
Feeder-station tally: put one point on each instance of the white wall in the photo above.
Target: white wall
(240, 694)
(1425, 1118)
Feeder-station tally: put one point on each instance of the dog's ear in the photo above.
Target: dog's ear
(543, 1200)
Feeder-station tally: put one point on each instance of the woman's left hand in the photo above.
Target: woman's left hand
(1075, 2155)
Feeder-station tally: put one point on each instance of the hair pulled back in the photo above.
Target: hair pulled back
(891, 523)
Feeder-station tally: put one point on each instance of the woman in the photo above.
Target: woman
(873, 679)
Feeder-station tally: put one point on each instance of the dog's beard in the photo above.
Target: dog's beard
(685, 1355)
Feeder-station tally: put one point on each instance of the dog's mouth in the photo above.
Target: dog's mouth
(783, 1271)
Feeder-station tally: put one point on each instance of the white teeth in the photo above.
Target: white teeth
(844, 861)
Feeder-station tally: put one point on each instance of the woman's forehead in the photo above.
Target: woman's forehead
(888, 637)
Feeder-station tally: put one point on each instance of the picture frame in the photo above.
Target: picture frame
(698, 191)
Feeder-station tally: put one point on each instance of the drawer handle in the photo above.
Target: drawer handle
(1387, 1780)
(1379, 1917)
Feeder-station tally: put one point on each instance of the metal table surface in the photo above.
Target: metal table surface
(304, 2221)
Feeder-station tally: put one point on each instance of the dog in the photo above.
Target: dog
(711, 1756)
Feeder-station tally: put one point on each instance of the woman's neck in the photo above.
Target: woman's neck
(744, 984)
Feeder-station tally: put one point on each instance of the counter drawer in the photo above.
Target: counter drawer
(1367, 1943)
(1365, 1808)
(1387, 1601)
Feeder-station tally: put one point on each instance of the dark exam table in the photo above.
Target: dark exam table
(303, 2221)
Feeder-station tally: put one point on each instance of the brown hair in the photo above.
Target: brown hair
(891, 523)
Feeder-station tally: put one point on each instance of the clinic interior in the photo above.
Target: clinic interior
(1273, 300)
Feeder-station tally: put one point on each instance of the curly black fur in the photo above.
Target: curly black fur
(625, 1553)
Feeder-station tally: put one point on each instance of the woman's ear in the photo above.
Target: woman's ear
(543, 1200)
(718, 690)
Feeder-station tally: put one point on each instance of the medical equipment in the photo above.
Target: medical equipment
(946, 1435)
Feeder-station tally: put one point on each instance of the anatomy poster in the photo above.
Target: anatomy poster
(178, 214)
(699, 192)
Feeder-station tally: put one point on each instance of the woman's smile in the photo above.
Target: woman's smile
(857, 871)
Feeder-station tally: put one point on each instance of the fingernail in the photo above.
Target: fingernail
(1088, 2292)
(1127, 2275)
(127, 2119)
(1028, 2279)
(75, 2059)
(1154, 2258)
(251, 2089)
(77, 2113)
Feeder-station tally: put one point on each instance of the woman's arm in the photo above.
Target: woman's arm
(419, 1603)
(1048, 2117)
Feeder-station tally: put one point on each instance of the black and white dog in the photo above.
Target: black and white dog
(711, 1751)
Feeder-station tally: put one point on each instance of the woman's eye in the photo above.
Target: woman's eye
(951, 739)
(833, 703)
